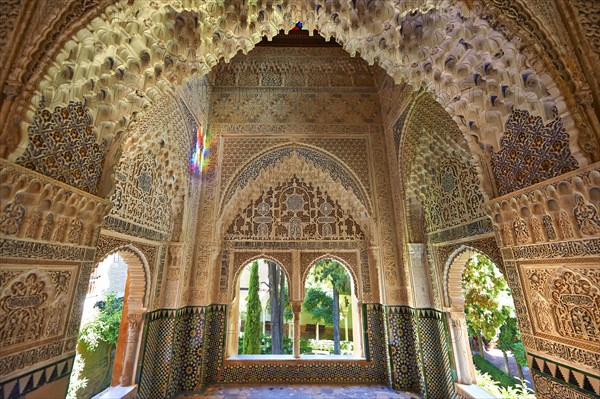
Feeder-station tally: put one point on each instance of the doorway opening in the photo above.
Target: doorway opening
(330, 320)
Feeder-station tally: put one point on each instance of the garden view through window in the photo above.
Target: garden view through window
(327, 317)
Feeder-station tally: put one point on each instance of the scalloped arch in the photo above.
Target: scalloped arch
(453, 271)
(276, 155)
(131, 55)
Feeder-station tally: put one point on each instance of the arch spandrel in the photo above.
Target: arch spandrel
(299, 168)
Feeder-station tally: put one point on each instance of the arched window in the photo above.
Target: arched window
(330, 320)
(116, 321)
(261, 320)
(482, 316)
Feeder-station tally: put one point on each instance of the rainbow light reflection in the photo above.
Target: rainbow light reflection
(200, 153)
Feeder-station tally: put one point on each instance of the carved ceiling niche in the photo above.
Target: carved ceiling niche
(473, 70)
(151, 177)
(443, 190)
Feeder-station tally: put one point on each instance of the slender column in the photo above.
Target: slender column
(296, 308)
(462, 351)
(421, 293)
(233, 333)
(134, 324)
(376, 273)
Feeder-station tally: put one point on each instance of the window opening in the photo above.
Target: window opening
(99, 329)
(329, 322)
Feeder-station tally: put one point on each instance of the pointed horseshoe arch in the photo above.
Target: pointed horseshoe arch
(138, 269)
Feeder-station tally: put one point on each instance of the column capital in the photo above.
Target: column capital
(296, 306)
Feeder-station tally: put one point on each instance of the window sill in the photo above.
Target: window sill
(473, 392)
(291, 359)
(118, 392)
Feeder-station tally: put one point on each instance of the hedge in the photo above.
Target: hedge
(486, 367)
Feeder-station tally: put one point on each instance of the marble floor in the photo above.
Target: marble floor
(340, 391)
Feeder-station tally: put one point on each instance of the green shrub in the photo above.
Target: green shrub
(104, 327)
(520, 391)
(498, 375)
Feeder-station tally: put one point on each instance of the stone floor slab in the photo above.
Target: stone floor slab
(276, 391)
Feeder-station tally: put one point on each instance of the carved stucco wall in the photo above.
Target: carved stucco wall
(100, 70)
(47, 246)
(319, 98)
(549, 239)
(151, 176)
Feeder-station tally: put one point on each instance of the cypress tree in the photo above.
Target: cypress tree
(252, 327)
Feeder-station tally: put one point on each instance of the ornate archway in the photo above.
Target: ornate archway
(135, 304)
(471, 62)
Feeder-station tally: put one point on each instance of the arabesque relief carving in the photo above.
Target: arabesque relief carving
(551, 246)
(294, 211)
(492, 83)
(35, 207)
(32, 304)
(566, 301)
(565, 206)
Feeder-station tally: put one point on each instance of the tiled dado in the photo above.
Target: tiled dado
(19, 386)
(373, 369)
(173, 351)
(553, 379)
(184, 350)
(419, 350)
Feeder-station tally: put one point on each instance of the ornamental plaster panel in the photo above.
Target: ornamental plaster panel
(297, 167)
(151, 176)
(556, 213)
(36, 207)
(294, 210)
(564, 300)
(34, 304)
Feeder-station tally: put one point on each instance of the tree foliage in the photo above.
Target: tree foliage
(104, 327)
(252, 327)
(519, 354)
(509, 335)
(319, 304)
(482, 286)
(337, 277)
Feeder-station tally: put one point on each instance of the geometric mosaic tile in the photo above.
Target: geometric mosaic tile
(184, 351)
(576, 380)
(420, 351)
(19, 386)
